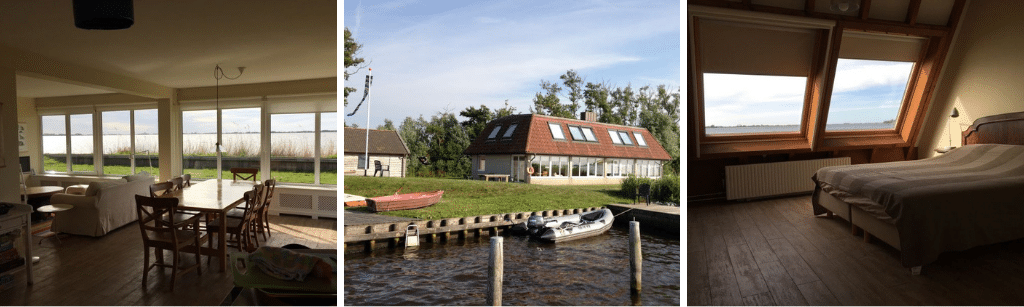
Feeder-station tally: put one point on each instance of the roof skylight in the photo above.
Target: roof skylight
(625, 138)
(589, 134)
(508, 133)
(615, 137)
(639, 139)
(494, 132)
(576, 133)
(556, 131)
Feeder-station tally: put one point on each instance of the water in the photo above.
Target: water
(591, 271)
(795, 128)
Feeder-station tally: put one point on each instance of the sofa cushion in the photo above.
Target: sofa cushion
(140, 175)
(96, 186)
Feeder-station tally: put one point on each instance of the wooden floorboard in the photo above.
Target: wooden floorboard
(776, 252)
(108, 270)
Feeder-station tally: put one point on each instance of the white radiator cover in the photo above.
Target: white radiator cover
(777, 178)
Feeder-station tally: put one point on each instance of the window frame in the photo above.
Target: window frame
(818, 92)
(508, 132)
(640, 141)
(614, 135)
(561, 133)
(494, 133)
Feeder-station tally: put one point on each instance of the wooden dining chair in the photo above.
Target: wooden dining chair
(162, 230)
(244, 173)
(160, 189)
(262, 219)
(240, 230)
(187, 178)
(177, 183)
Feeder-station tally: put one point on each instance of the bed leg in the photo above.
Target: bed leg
(915, 270)
(828, 214)
(853, 229)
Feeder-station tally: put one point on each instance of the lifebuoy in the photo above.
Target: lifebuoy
(529, 169)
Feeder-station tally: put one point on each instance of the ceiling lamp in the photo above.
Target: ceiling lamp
(103, 14)
(845, 5)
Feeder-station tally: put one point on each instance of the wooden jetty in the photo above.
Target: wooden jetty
(659, 219)
(380, 231)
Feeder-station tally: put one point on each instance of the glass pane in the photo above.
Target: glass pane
(615, 137)
(329, 148)
(494, 132)
(241, 136)
(867, 94)
(291, 147)
(589, 134)
(55, 150)
(576, 134)
(752, 104)
(639, 139)
(512, 128)
(147, 142)
(198, 144)
(556, 131)
(117, 142)
(625, 138)
(81, 144)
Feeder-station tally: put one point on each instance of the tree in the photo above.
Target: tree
(506, 111)
(595, 97)
(547, 103)
(447, 142)
(573, 83)
(477, 120)
(351, 50)
(388, 125)
(414, 134)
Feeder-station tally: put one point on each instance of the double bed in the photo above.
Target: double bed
(970, 196)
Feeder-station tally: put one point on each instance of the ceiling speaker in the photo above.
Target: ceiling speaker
(103, 14)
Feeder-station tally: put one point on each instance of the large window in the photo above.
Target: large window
(240, 134)
(752, 104)
(55, 150)
(117, 142)
(198, 144)
(82, 144)
(147, 142)
(551, 166)
(293, 150)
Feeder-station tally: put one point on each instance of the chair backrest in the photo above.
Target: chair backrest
(187, 180)
(253, 202)
(177, 183)
(160, 188)
(376, 165)
(244, 173)
(644, 189)
(156, 215)
(269, 186)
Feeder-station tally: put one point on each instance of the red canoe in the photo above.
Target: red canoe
(404, 201)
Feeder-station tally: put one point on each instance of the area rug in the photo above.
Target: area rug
(41, 226)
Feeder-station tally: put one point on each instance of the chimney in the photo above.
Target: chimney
(588, 116)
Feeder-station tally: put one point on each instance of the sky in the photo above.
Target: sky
(434, 56)
(863, 92)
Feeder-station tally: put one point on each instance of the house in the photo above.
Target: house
(167, 96)
(934, 57)
(386, 146)
(542, 149)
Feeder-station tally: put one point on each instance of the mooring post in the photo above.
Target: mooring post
(635, 257)
(494, 273)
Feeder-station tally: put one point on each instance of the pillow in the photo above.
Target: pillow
(140, 175)
(96, 186)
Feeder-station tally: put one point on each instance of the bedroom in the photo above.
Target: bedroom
(770, 248)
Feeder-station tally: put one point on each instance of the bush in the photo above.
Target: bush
(665, 189)
(630, 184)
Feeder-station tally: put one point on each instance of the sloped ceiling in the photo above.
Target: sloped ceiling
(177, 43)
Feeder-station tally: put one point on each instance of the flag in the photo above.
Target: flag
(366, 92)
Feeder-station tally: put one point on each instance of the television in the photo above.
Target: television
(26, 166)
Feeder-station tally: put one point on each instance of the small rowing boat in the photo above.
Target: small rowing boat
(404, 201)
(567, 227)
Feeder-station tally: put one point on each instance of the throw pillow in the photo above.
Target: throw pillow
(140, 175)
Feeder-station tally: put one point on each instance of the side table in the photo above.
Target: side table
(52, 209)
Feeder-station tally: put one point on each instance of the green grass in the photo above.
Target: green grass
(474, 197)
(281, 176)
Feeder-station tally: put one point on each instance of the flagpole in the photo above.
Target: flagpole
(369, 80)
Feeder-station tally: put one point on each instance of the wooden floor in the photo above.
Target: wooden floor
(774, 252)
(108, 270)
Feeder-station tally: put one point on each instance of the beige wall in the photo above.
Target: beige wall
(28, 117)
(982, 75)
(397, 164)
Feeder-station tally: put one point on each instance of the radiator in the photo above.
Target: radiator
(771, 179)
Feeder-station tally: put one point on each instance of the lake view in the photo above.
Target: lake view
(794, 128)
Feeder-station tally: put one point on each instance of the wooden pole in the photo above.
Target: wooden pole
(635, 257)
(494, 272)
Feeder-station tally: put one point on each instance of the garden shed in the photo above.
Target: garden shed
(385, 146)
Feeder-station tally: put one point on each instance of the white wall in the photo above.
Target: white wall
(983, 74)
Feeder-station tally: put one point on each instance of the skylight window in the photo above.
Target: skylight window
(576, 133)
(589, 134)
(556, 131)
(508, 133)
(625, 138)
(615, 137)
(639, 139)
(494, 132)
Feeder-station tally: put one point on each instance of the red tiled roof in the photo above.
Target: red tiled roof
(381, 142)
(532, 136)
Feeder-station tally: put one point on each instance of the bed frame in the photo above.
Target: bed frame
(996, 129)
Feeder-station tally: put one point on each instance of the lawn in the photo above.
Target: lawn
(474, 197)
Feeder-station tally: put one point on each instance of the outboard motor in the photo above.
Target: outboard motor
(535, 221)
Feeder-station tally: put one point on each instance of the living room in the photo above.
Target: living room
(80, 107)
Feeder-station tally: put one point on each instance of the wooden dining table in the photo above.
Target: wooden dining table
(216, 197)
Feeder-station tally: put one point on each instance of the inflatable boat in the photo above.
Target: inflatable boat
(566, 227)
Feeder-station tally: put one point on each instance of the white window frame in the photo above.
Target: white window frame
(483, 164)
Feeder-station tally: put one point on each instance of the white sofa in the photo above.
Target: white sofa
(105, 206)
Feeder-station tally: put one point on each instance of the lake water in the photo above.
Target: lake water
(590, 271)
(82, 144)
(795, 128)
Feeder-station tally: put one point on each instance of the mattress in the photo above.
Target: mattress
(968, 197)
